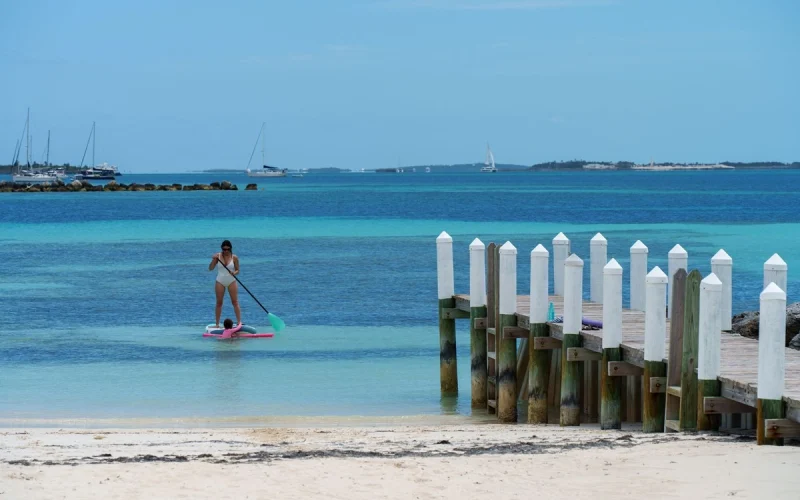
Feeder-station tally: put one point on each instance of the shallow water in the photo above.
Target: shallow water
(111, 292)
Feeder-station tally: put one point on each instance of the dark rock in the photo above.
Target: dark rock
(215, 185)
(746, 324)
(225, 185)
(795, 342)
(251, 187)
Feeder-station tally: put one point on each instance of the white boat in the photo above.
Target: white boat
(104, 171)
(427, 170)
(29, 176)
(489, 163)
(266, 170)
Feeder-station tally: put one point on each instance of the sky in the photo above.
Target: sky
(185, 85)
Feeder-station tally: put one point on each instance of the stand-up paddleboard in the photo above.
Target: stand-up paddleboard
(238, 331)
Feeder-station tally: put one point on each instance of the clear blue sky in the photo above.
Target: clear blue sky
(176, 86)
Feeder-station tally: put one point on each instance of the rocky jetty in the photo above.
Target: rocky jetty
(84, 186)
(746, 325)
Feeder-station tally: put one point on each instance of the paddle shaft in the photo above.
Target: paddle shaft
(245, 288)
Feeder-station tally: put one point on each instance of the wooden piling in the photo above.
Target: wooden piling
(492, 342)
(677, 258)
(722, 267)
(570, 411)
(708, 355)
(560, 254)
(448, 368)
(507, 362)
(638, 275)
(776, 271)
(771, 359)
(655, 328)
(598, 258)
(611, 387)
(477, 300)
(691, 326)
(539, 365)
(674, 364)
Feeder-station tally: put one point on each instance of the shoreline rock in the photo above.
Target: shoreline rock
(746, 325)
(78, 186)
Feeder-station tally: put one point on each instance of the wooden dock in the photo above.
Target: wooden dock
(674, 399)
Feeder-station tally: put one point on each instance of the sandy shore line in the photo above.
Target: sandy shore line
(439, 461)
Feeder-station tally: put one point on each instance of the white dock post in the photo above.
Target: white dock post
(771, 359)
(722, 267)
(611, 387)
(477, 306)
(655, 331)
(570, 412)
(638, 276)
(776, 271)
(507, 354)
(708, 354)
(560, 254)
(677, 258)
(448, 369)
(539, 366)
(598, 257)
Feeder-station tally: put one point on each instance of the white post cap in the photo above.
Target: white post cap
(573, 261)
(477, 245)
(508, 248)
(678, 251)
(639, 247)
(722, 258)
(598, 239)
(612, 267)
(561, 239)
(657, 276)
(773, 292)
(540, 252)
(711, 282)
(444, 238)
(775, 263)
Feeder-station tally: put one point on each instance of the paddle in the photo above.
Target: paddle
(275, 321)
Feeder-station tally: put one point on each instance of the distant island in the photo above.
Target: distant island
(569, 165)
(628, 165)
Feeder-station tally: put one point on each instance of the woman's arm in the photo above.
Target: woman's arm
(214, 260)
(235, 265)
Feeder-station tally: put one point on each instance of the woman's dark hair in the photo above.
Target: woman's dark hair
(228, 323)
(226, 243)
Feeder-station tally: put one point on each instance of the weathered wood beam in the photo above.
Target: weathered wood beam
(582, 354)
(623, 369)
(719, 405)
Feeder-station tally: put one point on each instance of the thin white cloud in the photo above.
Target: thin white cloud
(490, 5)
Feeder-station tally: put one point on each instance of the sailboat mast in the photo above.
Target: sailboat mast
(47, 160)
(263, 140)
(93, 138)
(28, 140)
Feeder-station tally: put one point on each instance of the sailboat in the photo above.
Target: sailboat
(97, 172)
(266, 170)
(489, 163)
(28, 176)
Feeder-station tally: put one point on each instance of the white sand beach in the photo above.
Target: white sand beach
(390, 461)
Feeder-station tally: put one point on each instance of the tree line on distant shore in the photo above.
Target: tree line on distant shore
(574, 164)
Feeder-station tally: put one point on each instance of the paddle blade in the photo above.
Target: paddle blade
(276, 322)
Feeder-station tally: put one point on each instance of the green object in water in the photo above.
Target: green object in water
(551, 312)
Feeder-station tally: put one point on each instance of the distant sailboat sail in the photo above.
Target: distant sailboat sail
(489, 163)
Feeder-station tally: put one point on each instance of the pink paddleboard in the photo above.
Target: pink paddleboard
(237, 332)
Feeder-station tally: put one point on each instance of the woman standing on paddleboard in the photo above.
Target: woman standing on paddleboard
(225, 279)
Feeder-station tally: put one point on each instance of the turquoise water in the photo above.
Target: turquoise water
(108, 293)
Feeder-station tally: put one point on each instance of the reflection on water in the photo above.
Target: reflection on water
(227, 369)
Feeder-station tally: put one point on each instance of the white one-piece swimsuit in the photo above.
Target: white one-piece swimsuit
(224, 277)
